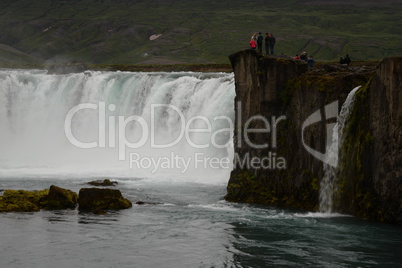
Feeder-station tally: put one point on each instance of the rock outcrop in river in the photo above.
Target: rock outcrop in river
(55, 198)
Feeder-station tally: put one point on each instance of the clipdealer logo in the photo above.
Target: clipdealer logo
(112, 132)
(330, 111)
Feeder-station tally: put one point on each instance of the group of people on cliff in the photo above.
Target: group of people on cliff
(346, 60)
(303, 56)
(257, 42)
(310, 60)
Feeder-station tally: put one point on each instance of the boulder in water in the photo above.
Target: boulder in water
(95, 199)
(59, 198)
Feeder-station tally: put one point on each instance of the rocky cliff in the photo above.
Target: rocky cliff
(370, 175)
(274, 98)
(386, 125)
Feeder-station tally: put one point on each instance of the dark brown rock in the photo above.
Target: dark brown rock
(59, 198)
(95, 199)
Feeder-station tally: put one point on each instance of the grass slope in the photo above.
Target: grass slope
(195, 31)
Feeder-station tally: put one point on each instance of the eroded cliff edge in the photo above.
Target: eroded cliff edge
(275, 96)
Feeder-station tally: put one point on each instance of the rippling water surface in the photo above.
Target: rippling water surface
(191, 226)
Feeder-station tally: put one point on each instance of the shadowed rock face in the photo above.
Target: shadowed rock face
(275, 86)
(386, 124)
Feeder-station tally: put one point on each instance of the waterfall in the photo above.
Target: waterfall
(116, 124)
(331, 165)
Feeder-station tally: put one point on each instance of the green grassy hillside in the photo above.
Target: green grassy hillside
(194, 31)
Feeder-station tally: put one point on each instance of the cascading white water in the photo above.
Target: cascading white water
(46, 120)
(330, 166)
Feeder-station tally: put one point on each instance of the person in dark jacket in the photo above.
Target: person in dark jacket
(347, 60)
(259, 42)
(272, 43)
(310, 62)
(303, 56)
(267, 43)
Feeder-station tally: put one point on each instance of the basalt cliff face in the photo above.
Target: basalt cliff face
(274, 98)
(386, 123)
(370, 174)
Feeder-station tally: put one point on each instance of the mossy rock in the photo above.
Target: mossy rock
(95, 199)
(22, 201)
(59, 198)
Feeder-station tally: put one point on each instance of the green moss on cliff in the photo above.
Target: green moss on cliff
(284, 61)
(316, 81)
(245, 187)
(321, 82)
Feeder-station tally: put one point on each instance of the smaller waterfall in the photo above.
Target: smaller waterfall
(330, 169)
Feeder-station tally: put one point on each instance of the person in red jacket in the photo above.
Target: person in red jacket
(252, 44)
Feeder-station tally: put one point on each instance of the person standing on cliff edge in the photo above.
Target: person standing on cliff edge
(267, 42)
(310, 62)
(252, 44)
(272, 41)
(259, 42)
(254, 37)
